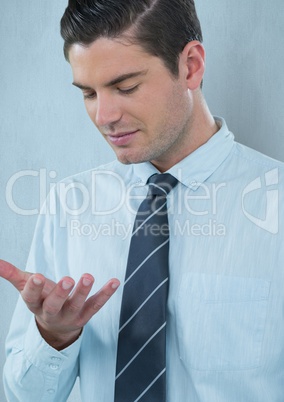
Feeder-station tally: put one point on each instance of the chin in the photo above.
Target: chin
(131, 159)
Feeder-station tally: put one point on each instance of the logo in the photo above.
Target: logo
(270, 223)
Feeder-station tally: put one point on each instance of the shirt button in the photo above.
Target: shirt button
(54, 366)
(193, 183)
(51, 391)
(57, 359)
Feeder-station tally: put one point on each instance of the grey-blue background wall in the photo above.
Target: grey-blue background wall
(44, 127)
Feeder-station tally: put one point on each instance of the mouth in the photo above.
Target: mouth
(121, 139)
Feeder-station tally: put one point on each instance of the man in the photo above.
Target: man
(140, 65)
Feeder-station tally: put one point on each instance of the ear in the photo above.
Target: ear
(192, 64)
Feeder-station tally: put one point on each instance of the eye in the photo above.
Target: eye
(128, 91)
(89, 95)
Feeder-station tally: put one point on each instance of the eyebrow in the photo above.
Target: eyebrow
(115, 81)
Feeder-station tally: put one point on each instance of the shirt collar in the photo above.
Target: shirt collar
(199, 165)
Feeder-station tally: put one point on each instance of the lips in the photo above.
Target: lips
(121, 139)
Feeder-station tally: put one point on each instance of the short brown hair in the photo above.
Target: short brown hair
(161, 27)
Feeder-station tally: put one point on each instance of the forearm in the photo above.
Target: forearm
(23, 381)
(34, 371)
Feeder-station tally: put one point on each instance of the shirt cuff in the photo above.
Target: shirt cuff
(44, 356)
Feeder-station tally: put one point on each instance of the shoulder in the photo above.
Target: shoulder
(100, 185)
(255, 159)
(245, 165)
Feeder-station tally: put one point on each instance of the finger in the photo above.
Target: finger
(55, 300)
(76, 301)
(14, 275)
(97, 301)
(32, 293)
(49, 285)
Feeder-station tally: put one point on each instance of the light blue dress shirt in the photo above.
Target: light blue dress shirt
(225, 331)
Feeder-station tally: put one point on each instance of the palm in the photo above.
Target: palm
(61, 309)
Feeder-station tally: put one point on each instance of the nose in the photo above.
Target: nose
(107, 111)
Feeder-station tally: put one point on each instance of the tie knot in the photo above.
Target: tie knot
(161, 184)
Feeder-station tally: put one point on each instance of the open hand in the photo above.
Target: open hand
(60, 314)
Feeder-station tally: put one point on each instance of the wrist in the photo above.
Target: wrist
(56, 340)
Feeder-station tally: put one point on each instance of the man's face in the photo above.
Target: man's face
(142, 111)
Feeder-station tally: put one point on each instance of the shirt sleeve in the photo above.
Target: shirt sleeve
(34, 371)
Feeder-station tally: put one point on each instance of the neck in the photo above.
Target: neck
(202, 127)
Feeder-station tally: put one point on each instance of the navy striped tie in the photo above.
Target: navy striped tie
(141, 354)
